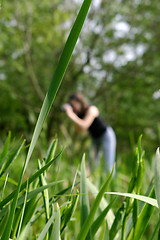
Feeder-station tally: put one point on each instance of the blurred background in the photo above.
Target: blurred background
(116, 65)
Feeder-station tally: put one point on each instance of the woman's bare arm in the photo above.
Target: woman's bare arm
(84, 123)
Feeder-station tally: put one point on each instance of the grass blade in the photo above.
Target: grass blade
(35, 192)
(142, 220)
(110, 216)
(23, 210)
(84, 201)
(4, 221)
(155, 230)
(30, 180)
(5, 148)
(55, 235)
(89, 220)
(51, 151)
(45, 194)
(59, 73)
(157, 176)
(145, 199)
(47, 226)
(98, 222)
(10, 157)
(8, 227)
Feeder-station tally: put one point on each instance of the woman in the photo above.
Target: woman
(87, 117)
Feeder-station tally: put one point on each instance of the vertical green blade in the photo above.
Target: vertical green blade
(157, 176)
(84, 201)
(59, 73)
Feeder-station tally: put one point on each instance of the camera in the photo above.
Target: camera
(62, 107)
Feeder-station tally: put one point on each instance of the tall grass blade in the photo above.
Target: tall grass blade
(9, 180)
(30, 180)
(4, 221)
(145, 199)
(35, 192)
(8, 227)
(117, 224)
(142, 220)
(70, 207)
(84, 201)
(6, 179)
(46, 228)
(110, 216)
(17, 223)
(68, 212)
(23, 210)
(29, 212)
(55, 235)
(157, 176)
(59, 73)
(129, 224)
(11, 156)
(51, 151)
(106, 234)
(5, 148)
(99, 220)
(155, 230)
(90, 218)
(45, 194)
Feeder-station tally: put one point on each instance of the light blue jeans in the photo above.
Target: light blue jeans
(108, 143)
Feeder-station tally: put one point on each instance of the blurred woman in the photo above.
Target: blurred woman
(87, 117)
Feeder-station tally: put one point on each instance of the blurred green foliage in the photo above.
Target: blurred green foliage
(115, 64)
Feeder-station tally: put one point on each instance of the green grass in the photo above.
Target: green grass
(55, 200)
(58, 208)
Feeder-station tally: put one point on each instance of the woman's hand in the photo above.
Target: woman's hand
(68, 109)
(84, 123)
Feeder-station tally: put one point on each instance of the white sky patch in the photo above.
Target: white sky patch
(129, 53)
(110, 56)
(2, 76)
(87, 69)
(11, 23)
(156, 94)
(121, 29)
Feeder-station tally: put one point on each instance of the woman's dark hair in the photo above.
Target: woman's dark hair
(79, 98)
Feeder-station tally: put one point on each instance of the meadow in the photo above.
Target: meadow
(45, 195)
(58, 200)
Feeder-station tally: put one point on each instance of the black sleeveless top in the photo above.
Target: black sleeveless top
(97, 127)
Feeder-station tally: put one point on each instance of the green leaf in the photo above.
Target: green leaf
(155, 230)
(145, 199)
(98, 222)
(8, 227)
(35, 192)
(45, 194)
(5, 148)
(68, 212)
(59, 73)
(142, 220)
(84, 201)
(30, 180)
(157, 176)
(4, 221)
(23, 210)
(11, 156)
(90, 218)
(117, 224)
(46, 228)
(110, 216)
(51, 151)
(55, 235)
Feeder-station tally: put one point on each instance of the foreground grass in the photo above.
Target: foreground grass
(58, 201)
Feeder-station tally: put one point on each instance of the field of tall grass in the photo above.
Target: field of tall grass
(47, 198)
(61, 201)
